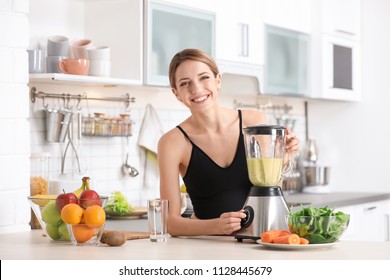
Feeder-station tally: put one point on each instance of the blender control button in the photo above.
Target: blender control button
(247, 221)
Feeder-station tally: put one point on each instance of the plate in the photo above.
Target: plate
(137, 213)
(297, 246)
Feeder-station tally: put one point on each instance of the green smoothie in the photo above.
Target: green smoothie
(264, 171)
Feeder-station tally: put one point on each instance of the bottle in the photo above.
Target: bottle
(39, 180)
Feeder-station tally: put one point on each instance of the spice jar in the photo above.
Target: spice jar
(99, 122)
(39, 179)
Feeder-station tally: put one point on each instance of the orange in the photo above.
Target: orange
(82, 233)
(94, 216)
(72, 213)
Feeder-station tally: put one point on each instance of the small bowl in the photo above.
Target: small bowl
(50, 218)
(85, 235)
(319, 230)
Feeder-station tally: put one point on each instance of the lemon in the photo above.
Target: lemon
(183, 188)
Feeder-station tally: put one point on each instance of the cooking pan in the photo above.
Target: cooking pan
(317, 175)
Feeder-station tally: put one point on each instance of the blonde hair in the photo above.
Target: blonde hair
(190, 54)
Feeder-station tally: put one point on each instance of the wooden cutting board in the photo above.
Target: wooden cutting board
(131, 235)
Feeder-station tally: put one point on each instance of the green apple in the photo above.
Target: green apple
(52, 231)
(50, 214)
(63, 231)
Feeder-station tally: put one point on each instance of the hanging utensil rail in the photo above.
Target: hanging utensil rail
(66, 97)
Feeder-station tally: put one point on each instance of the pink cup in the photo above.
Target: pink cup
(74, 66)
(79, 48)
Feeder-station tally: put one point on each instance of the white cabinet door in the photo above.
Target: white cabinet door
(369, 221)
(169, 29)
(341, 68)
(122, 33)
(239, 30)
(341, 17)
(294, 15)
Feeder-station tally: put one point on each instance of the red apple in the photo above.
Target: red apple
(65, 198)
(89, 198)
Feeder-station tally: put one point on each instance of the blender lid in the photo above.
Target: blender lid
(264, 129)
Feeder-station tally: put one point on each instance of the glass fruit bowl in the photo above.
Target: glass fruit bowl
(319, 230)
(49, 217)
(84, 225)
(84, 235)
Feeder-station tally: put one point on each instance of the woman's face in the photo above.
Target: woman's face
(196, 85)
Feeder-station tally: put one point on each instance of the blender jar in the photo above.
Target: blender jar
(265, 147)
(39, 179)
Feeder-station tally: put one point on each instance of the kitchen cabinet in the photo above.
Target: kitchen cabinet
(294, 15)
(341, 18)
(170, 28)
(336, 58)
(286, 62)
(239, 31)
(369, 221)
(336, 68)
(122, 32)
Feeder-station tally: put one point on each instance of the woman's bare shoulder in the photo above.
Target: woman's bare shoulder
(253, 117)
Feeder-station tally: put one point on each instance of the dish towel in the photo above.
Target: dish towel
(150, 132)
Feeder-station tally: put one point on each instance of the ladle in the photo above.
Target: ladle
(127, 169)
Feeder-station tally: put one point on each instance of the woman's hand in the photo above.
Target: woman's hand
(292, 141)
(230, 222)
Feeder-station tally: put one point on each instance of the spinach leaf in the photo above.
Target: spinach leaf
(318, 225)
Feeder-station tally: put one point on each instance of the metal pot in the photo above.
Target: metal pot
(317, 175)
(57, 124)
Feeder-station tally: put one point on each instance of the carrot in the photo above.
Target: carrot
(269, 236)
(303, 241)
(287, 239)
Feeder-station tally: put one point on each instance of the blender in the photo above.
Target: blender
(265, 206)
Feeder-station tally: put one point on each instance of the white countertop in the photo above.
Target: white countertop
(32, 245)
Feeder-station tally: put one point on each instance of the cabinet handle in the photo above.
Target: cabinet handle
(370, 208)
(344, 32)
(243, 39)
(387, 216)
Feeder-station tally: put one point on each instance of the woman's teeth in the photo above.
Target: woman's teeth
(199, 99)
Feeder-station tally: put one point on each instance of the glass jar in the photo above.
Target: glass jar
(39, 179)
(88, 125)
(99, 123)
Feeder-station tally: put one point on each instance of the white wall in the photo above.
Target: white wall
(354, 137)
(14, 125)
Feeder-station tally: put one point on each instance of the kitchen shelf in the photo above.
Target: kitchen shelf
(82, 80)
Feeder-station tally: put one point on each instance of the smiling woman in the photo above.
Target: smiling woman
(206, 150)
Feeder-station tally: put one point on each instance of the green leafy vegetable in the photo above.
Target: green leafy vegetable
(117, 202)
(318, 225)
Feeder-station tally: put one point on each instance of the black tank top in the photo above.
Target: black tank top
(213, 189)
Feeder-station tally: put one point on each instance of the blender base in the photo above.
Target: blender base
(266, 209)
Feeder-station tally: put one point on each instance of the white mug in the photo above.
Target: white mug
(99, 68)
(99, 53)
(57, 45)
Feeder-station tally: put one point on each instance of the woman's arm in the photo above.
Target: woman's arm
(171, 149)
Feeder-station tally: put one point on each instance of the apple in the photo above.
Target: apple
(52, 231)
(63, 231)
(65, 198)
(89, 198)
(50, 214)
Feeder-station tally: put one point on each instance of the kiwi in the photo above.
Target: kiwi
(113, 238)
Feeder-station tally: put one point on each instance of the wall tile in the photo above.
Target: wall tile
(5, 5)
(12, 167)
(20, 67)
(14, 94)
(21, 6)
(14, 30)
(7, 217)
(6, 67)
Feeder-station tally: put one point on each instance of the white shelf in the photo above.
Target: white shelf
(82, 80)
